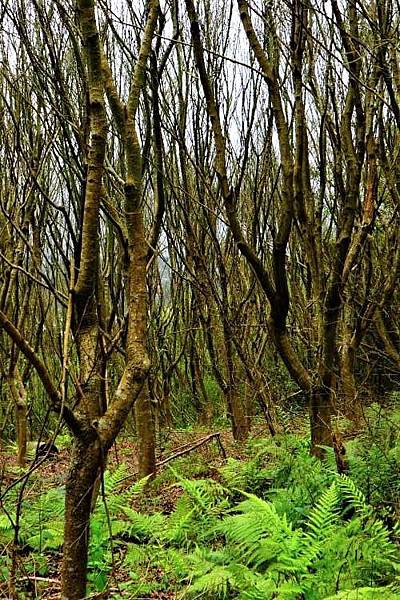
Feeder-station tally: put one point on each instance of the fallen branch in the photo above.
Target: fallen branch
(37, 578)
(161, 463)
(201, 442)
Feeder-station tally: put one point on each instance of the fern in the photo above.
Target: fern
(116, 498)
(198, 511)
(216, 584)
(263, 547)
(204, 493)
(281, 470)
(366, 593)
(375, 533)
(323, 517)
(112, 519)
(260, 534)
(6, 528)
(265, 557)
(141, 527)
(42, 523)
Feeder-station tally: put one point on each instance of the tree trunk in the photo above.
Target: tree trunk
(198, 390)
(352, 404)
(146, 434)
(320, 420)
(85, 464)
(21, 419)
(240, 421)
(18, 393)
(237, 413)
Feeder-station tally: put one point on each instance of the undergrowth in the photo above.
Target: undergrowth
(276, 524)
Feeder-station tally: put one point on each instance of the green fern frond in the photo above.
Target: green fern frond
(263, 538)
(354, 496)
(375, 537)
(136, 555)
(50, 538)
(323, 517)
(205, 493)
(217, 584)
(5, 523)
(142, 527)
(112, 479)
(197, 511)
(116, 498)
(258, 588)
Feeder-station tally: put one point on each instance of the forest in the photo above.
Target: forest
(199, 299)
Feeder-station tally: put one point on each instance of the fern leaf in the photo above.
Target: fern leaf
(324, 516)
(217, 584)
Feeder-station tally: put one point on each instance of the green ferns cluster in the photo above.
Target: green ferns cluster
(279, 525)
(375, 459)
(250, 551)
(269, 558)
(41, 524)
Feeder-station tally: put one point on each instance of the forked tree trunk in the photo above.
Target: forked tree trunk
(83, 472)
(94, 432)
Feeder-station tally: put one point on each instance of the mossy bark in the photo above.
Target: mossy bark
(82, 475)
(146, 433)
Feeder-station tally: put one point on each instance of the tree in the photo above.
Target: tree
(93, 424)
(300, 214)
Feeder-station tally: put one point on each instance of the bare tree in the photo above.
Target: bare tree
(93, 424)
(300, 214)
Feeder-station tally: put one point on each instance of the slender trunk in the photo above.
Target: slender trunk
(146, 433)
(21, 418)
(320, 420)
(240, 421)
(206, 409)
(352, 406)
(237, 413)
(236, 404)
(165, 408)
(85, 464)
(18, 393)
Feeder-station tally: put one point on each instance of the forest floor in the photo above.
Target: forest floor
(203, 450)
(187, 454)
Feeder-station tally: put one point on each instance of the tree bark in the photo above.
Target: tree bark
(18, 394)
(320, 420)
(146, 433)
(86, 462)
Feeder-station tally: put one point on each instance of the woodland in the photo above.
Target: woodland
(199, 299)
